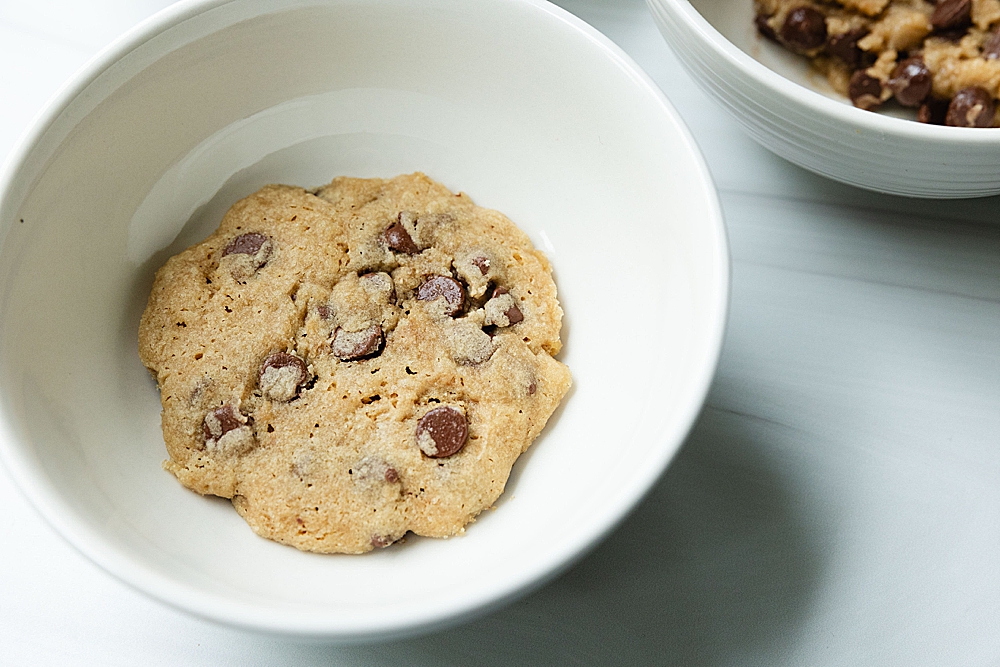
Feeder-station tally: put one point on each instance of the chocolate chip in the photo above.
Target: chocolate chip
(845, 46)
(953, 35)
(443, 286)
(442, 432)
(971, 107)
(280, 360)
(252, 249)
(281, 376)
(911, 81)
(864, 90)
(353, 345)
(951, 14)
(933, 111)
(513, 313)
(991, 48)
(501, 310)
(764, 28)
(221, 421)
(373, 470)
(476, 269)
(382, 541)
(398, 239)
(804, 29)
(245, 244)
(482, 263)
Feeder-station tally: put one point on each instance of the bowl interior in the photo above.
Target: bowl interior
(516, 103)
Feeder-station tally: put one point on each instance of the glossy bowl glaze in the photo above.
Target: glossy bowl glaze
(516, 102)
(792, 111)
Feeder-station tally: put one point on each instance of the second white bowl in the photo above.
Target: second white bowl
(784, 107)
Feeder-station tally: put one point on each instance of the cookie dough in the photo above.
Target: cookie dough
(355, 362)
(943, 59)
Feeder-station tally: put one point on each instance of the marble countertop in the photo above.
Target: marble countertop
(837, 502)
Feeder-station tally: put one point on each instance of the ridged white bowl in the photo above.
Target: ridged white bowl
(791, 111)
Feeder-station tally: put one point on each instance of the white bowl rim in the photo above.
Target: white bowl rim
(814, 101)
(53, 509)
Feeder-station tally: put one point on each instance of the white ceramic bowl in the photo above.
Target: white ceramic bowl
(793, 112)
(516, 102)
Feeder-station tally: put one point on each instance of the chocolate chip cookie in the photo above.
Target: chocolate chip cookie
(941, 59)
(355, 362)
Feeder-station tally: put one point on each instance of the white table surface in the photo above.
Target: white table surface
(837, 503)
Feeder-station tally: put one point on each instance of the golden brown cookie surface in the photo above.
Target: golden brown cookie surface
(354, 364)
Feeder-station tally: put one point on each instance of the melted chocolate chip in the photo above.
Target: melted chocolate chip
(280, 360)
(443, 286)
(911, 81)
(933, 111)
(281, 376)
(953, 35)
(971, 107)
(804, 29)
(991, 48)
(442, 432)
(398, 239)
(391, 475)
(245, 244)
(354, 345)
(950, 14)
(845, 46)
(864, 90)
(764, 28)
(482, 263)
(509, 307)
(221, 421)
(252, 250)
